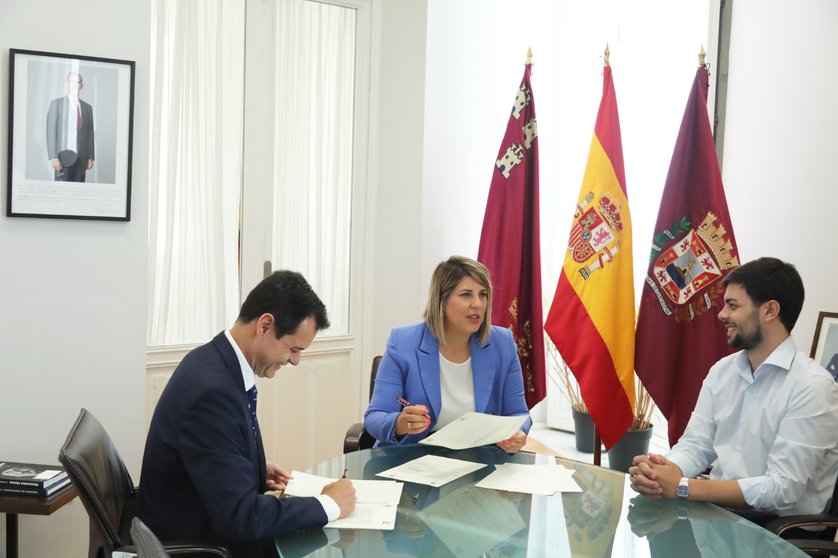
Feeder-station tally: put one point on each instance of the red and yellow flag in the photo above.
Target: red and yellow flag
(591, 320)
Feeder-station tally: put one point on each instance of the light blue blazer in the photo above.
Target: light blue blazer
(410, 368)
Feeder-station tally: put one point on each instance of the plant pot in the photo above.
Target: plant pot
(633, 442)
(584, 427)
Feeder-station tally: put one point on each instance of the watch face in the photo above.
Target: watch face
(683, 490)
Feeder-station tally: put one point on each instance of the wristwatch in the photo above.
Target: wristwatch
(683, 490)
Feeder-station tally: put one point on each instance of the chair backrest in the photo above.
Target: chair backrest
(103, 482)
(833, 506)
(375, 362)
(148, 545)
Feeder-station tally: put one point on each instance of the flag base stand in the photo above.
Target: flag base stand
(633, 442)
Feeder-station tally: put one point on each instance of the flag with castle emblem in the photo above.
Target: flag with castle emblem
(509, 241)
(591, 320)
(678, 333)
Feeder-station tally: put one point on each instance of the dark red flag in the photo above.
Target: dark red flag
(678, 333)
(509, 242)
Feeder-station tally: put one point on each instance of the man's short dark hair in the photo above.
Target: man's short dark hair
(288, 297)
(767, 279)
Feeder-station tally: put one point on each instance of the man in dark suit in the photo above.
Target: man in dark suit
(204, 472)
(70, 133)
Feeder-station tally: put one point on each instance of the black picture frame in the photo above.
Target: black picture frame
(825, 343)
(69, 155)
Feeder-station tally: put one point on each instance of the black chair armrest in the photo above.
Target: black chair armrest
(184, 549)
(357, 438)
(352, 440)
(781, 524)
(204, 550)
(814, 547)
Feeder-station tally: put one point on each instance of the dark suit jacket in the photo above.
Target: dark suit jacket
(57, 130)
(410, 368)
(203, 475)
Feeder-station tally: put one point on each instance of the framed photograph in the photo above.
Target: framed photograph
(70, 136)
(825, 344)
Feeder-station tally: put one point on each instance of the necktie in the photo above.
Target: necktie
(251, 405)
(78, 117)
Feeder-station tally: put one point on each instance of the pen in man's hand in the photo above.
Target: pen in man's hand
(344, 473)
(405, 403)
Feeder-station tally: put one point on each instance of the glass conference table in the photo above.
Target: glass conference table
(607, 519)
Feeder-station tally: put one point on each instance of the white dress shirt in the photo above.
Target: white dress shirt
(775, 431)
(329, 505)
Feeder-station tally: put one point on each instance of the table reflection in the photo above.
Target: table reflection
(459, 520)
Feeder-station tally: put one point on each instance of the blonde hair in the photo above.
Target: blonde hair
(444, 280)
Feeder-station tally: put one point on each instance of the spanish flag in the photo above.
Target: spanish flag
(591, 320)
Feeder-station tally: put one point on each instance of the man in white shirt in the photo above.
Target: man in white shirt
(767, 415)
(70, 146)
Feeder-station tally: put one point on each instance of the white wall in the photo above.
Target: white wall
(73, 293)
(779, 170)
(397, 132)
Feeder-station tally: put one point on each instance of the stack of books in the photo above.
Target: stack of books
(30, 479)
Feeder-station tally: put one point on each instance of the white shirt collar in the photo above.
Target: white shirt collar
(247, 372)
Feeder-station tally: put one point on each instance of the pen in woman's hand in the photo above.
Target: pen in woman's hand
(345, 471)
(405, 403)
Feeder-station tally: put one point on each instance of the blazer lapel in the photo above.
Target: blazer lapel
(483, 374)
(257, 453)
(428, 357)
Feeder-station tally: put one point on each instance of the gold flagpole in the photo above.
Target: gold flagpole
(701, 56)
(607, 55)
(529, 55)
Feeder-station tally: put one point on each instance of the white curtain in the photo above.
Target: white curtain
(195, 177)
(315, 61)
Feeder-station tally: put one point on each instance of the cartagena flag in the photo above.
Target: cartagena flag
(509, 241)
(591, 320)
(678, 334)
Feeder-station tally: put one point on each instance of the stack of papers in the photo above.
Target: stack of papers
(374, 509)
(432, 470)
(531, 479)
(472, 430)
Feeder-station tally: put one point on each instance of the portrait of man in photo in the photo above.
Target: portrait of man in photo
(70, 143)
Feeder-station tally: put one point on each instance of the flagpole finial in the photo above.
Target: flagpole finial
(529, 55)
(702, 54)
(607, 55)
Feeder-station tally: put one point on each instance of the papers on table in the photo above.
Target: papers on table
(531, 479)
(375, 508)
(475, 429)
(432, 470)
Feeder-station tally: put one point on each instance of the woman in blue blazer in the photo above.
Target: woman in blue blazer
(453, 362)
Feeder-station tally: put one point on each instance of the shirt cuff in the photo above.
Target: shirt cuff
(750, 488)
(329, 506)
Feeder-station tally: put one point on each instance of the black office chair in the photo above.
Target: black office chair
(107, 492)
(356, 436)
(821, 543)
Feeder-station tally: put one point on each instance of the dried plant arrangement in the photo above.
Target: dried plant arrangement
(563, 378)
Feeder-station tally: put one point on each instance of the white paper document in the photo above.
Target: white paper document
(432, 470)
(475, 429)
(374, 509)
(531, 479)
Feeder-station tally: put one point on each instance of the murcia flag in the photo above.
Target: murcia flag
(509, 241)
(678, 334)
(591, 320)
